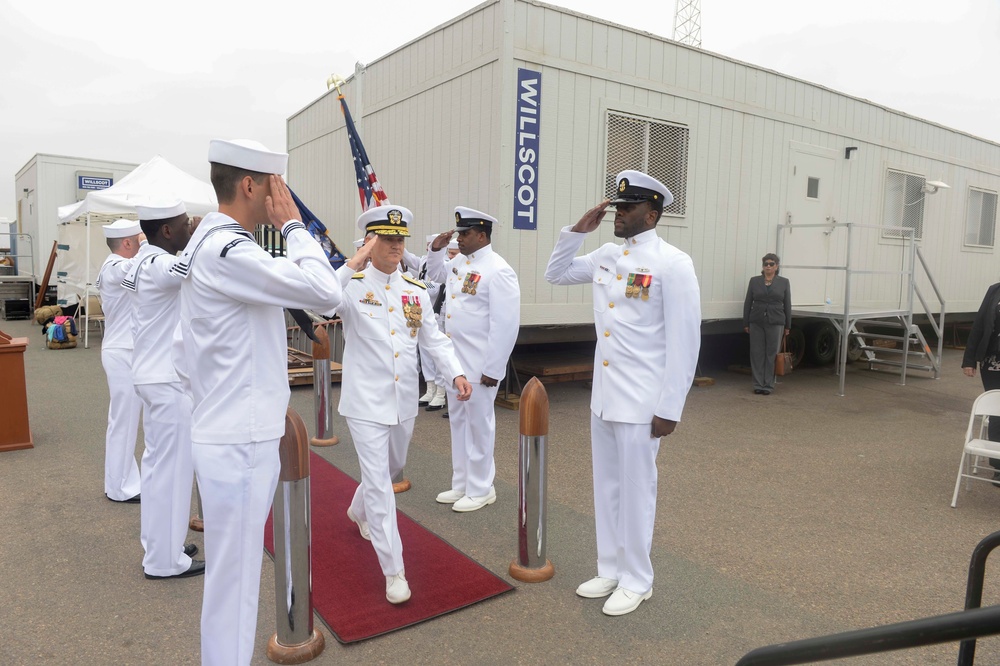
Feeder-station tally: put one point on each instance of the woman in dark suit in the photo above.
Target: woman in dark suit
(767, 314)
(983, 349)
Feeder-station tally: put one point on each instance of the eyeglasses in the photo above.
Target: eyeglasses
(770, 263)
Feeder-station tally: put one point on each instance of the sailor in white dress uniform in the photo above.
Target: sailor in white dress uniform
(167, 474)
(386, 314)
(121, 472)
(647, 313)
(483, 319)
(233, 353)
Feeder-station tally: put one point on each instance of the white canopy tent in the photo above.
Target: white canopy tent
(81, 222)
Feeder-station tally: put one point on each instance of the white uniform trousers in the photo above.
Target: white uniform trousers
(237, 484)
(624, 457)
(121, 472)
(167, 477)
(473, 435)
(374, 500)
(427, 367)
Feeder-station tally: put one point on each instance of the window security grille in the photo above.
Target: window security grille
(980, 218)
(654, 147)
(904, 204)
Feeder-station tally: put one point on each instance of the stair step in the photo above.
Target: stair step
(898, 364)
(883, 336)
(890, 350)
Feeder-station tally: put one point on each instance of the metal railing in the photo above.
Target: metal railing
(965, 626)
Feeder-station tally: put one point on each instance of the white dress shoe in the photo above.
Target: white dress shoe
(427, 397)
(597, 587)
(439, 400)
(624, 601)
(397, 590)
(362, 526)
(449, 496)
(467, 503)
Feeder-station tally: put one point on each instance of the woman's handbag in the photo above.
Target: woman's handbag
(783, 360)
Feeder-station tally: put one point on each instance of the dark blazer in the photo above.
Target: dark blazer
(772, 308)
(982, 329)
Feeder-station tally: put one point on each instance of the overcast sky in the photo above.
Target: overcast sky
(125, 81)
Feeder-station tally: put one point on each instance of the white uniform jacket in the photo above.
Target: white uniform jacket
(380, 354)
(154, 292)
(234, 341)
(484, 309)
(115, 302)
(647, 344)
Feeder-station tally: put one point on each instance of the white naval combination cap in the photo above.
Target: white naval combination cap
(453, 245)
(430, 238)
(390, 220)
(122, 229)
(358, 244)
(161, 210)
(247, 154)
(468, 218)
(636, 186)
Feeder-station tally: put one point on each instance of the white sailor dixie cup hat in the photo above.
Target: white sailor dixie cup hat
(467, 218)
(388, 220)
(122, 229)
(635, 186)
(247, 154)
(160, 210)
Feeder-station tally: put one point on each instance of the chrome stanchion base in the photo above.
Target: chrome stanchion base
(526, 575)
(296, 654)
(333, 441)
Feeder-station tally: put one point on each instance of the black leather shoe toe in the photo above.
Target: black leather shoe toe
(190, 549)
(197, 568)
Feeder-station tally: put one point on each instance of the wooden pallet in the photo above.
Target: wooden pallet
(300, 369)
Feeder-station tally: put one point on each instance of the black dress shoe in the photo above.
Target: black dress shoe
(190, 549)
(197, 568)
(433, 408)
(757, 391)
(766, 392)
(130, 500)
(445, 416)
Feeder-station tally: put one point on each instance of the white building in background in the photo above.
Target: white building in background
(528, 111)
(47, 182)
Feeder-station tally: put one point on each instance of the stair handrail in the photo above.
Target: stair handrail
(939, 328)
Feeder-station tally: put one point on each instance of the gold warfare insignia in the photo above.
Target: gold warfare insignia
(369, 299)
(395, 217)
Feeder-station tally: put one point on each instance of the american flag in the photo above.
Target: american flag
(369, 189)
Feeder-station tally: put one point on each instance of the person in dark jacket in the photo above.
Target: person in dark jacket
(767, 316)
(983, 349)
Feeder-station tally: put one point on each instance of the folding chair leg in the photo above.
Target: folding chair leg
(958, 481)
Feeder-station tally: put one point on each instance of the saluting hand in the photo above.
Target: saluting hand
(662, 427)
(360, 258)
(464, 387)
(279, 205)
(592, 218)
(442, 240)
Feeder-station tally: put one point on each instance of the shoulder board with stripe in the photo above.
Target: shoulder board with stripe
(357, 276)
(414, 281)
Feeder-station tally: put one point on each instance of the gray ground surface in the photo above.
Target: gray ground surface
(779, 518)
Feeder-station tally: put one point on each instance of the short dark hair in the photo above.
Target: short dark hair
(152, 227)
(770, 256)
(225, 179)
(114, 244)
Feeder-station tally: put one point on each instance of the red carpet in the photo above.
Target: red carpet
(348, 585)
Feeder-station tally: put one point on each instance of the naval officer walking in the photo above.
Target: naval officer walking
(233, 351)
(647, 313)
(121, 473)
(386, 314)
(484, 314)
(167, 474)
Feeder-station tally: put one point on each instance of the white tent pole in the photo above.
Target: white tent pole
(86, 293)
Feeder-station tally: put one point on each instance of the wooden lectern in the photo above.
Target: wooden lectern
(14, 431)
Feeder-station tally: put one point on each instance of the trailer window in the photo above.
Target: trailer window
(980, 218)
(651, 146)
(812, 188)
(904, 205)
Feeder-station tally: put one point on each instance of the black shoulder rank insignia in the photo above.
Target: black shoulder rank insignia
(231, 244)
(357, 276)
(416, 282)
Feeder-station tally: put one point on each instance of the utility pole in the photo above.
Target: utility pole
(687, 22)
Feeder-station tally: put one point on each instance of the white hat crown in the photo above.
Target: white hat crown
(247, 154)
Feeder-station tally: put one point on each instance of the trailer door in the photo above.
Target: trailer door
(810, 202)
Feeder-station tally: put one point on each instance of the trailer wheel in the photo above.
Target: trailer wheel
(821, 343)
(854, 351)
(796, 344)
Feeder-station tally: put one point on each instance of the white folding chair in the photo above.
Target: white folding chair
(977, 448)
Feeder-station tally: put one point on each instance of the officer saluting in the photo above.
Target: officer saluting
(386, 314)
(234, 354)
(484, 313)
(648, 317)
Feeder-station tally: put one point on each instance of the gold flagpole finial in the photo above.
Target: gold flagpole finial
(335, 81)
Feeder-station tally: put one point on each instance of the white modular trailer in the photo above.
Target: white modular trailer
(49, 181)
(450, 119)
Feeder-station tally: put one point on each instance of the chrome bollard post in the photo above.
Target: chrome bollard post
(296, 641)
(531, 565)
(321, 390)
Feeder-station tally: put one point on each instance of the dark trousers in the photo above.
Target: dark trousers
(991, 381)
(764, 344)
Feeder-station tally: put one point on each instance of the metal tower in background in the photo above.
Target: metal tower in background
(687, 22)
